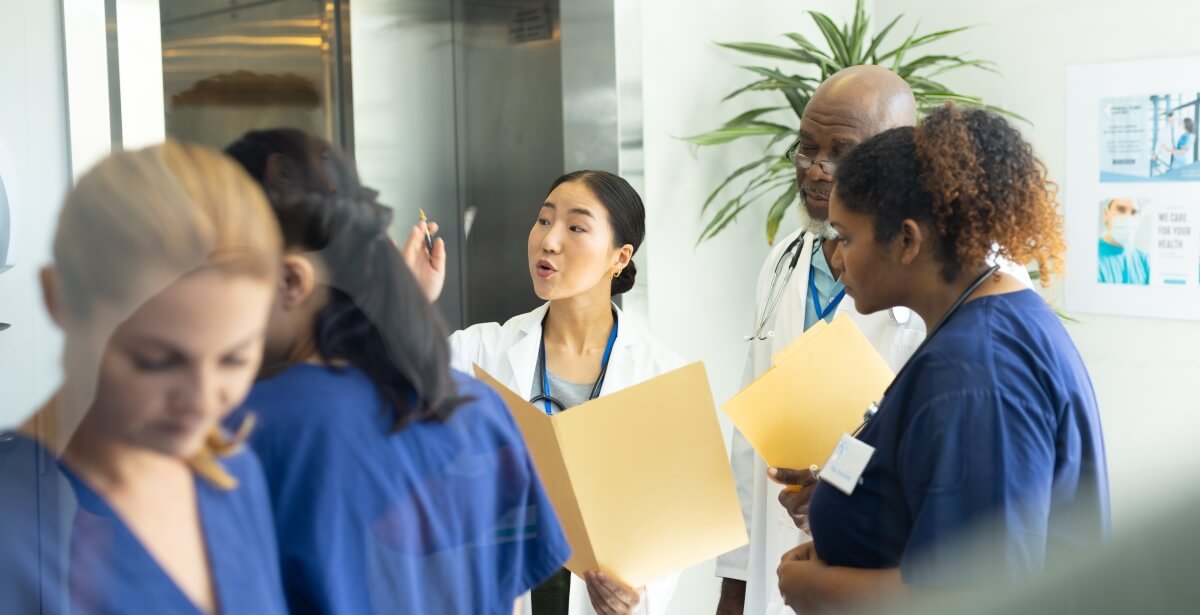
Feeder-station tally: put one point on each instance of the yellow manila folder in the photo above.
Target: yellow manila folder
(639, 478)
(817, 389)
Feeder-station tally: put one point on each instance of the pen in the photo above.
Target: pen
(428, 237)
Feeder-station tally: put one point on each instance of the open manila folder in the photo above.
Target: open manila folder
(640, 478)
(817, 388)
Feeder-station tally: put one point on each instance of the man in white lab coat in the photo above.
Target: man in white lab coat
(797, 286)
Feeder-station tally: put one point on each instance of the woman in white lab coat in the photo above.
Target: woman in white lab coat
(576, 346)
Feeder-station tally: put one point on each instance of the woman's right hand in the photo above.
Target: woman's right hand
(609, 596)
(428, 269)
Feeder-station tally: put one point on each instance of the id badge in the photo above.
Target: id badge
(846, 464)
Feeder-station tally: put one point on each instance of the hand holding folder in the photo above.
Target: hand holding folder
(818, 388)
(640, 478)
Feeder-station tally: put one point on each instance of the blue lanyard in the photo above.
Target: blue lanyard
(545, 397)
(816, 297)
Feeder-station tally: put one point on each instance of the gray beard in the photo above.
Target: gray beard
(812, 226)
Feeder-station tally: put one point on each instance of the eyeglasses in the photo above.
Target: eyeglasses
(804, 163)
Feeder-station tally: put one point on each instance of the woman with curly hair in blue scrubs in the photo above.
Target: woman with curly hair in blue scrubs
(985, 459)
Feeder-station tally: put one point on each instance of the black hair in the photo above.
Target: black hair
(971, 177)
(1189, 124)
(626, 215)
(881, 177)
(377, 319)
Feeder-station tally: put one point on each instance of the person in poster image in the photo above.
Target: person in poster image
(1184, 152)
(1166, 136)
(1120, 262)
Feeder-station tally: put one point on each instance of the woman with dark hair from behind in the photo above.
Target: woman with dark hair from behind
(986, 454)
(577, 346)
(398, 486)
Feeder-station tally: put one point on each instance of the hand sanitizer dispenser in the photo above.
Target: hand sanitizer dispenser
(8, 234)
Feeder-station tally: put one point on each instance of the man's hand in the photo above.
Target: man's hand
(800, 485)
(428, 269)
(799, 578)
(609, 596)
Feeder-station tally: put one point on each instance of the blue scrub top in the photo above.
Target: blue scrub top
(66, 550)
(437, 518)
(991, 435)
(1119, 265)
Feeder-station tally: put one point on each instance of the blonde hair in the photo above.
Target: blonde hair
(173, 208)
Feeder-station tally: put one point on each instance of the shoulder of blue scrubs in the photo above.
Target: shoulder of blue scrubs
(35, 514)
(372, 520)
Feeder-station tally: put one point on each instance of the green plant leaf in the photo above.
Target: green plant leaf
(897, 54)
(809, 46)
(778, 209)
(814, 55)
(728, 213)
(766, 50)
(751, 115)
(790, 136)
(980, 64)
(833, 36)
(795, 81)
(733, 133)
(730, 210)
(767, 84)
(797, 101)
(856, 32)
(732, 176)
(755, 85)
(914, 41)
(870, 54)
(941, 63)
(924, 62)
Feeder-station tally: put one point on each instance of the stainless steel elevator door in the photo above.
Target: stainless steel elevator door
(510, 93)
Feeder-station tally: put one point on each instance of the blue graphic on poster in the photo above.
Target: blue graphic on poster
(1150, 138)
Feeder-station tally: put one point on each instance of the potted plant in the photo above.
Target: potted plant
(770, 176)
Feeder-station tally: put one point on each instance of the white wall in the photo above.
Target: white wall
(1146, 372)
(33, 135)
(701, 300)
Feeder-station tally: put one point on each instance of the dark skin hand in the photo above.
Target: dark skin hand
(799, 571)
(800, 485)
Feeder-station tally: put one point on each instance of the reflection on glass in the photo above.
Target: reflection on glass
(228, 69)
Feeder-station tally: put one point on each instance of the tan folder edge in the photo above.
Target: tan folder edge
(794, 414)
(547, 459)
(798, 343)
(646, 471)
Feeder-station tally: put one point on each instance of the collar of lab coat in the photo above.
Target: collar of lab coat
(522, 356)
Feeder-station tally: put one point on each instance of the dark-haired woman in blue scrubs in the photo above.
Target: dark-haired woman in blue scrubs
(398, 485)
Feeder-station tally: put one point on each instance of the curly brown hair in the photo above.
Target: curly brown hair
(971, 175)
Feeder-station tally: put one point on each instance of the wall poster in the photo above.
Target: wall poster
(1133, 189)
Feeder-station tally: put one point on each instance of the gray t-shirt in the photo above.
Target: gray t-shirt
(571, 394)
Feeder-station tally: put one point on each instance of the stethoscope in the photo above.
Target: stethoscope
(791, 256)
(549, 400)
(873, 409)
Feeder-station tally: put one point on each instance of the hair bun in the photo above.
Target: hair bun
(624, 282)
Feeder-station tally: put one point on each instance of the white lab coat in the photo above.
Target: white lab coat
(509, 353)
(772, 531)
